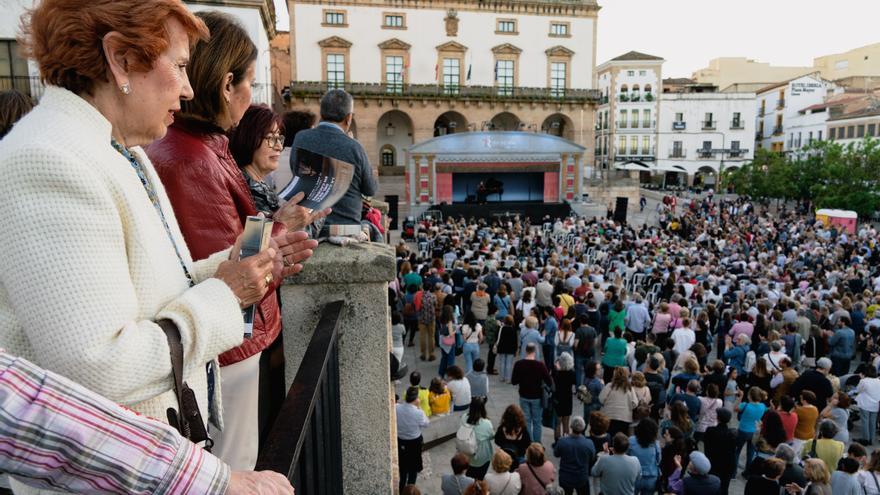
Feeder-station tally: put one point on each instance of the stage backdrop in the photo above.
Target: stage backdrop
(528, 186)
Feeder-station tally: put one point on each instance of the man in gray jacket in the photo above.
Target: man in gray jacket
(330, 138)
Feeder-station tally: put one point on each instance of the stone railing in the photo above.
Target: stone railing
(359, 276)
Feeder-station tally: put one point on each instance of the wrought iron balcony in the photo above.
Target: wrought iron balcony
(737, 124)
(780, 103)
(677, 153)
(679, 125)
(777, 131)
(316, 89)
(705, 153)
(708, 125)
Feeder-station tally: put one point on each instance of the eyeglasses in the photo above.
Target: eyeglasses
(274, 140)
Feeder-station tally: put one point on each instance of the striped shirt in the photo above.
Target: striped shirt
(56, 434)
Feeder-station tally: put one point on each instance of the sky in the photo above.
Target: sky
(689, 33)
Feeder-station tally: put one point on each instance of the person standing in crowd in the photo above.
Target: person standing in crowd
(484, 433)
(584, 348)
(330, 138)
(617, 471)
(818, 479)
(427, 314)
(615, 354)
(766, 483)
(530, 335)
(456, 482)
(551, 329)
(842, 345)
(530, 374)
(817, 382)
(110, 90)
(491, 329)
(563, 390)
(643, 445)
(576, 455)
(868, 400)
(472, 335)
(13, 106)
(478, 379)
(720, 448)
(750, 413)
(827, 448)
(512, 435)
(411, 421)
(618, 401)
(699, 480)
(446, 330)
(197, 169)
(505, 347)
(537, 473)
(844, 480)
(501, 480)
(255, 144)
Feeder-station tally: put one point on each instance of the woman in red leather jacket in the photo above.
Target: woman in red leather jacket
(211, 201)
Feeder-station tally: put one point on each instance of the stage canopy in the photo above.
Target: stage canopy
(496, 146)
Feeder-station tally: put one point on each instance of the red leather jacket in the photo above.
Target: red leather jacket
(211, 201)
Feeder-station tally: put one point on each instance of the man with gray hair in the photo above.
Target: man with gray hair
(330, 138)
(815, 381)
(793, 473)
(576, 455)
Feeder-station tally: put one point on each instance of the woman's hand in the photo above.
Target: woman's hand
(296, 217)
(793, 488)
(249, 279)
(292, 248)
(677, 461)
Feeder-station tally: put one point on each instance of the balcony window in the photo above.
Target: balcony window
(557, 79)
(646, 146)
(646, 119)
(504, 77)
(736, 123)
(451, 75)
(394, 74)
(335, 70)
(634, 145)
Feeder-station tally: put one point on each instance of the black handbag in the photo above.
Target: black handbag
(186, 419)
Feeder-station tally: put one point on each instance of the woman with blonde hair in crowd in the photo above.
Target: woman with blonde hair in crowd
(500, 479)
(640, 387)
(818, 479)
(116, 265)
(537, 473)
(618, 401)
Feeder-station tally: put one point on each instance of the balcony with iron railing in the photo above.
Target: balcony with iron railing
(737, 124)
(677, 153)
(679, 125)
(777, 130)
(708, 125)
(705, 153)
(316, 89)
(780, 103)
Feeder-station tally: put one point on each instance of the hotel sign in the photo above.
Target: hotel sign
(805, 87)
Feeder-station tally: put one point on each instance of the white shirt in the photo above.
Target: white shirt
(684, 338)
(461, 391)
(869, 394)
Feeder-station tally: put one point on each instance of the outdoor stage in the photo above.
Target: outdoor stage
(535, 211)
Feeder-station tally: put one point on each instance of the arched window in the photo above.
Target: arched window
(388, 157)
(635, 92)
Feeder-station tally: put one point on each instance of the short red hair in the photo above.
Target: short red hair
(64, 36)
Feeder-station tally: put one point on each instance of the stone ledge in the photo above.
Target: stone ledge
(355, 264)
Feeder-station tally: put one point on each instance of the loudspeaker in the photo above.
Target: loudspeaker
(392, 200)
(620, 209)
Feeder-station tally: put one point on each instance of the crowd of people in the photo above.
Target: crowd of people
(125, 192)
(657, 354)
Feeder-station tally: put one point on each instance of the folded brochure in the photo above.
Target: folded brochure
(323, 180)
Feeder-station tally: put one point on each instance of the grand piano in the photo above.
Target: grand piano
(486, 189)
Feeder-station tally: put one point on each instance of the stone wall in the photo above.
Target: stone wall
(359, 275)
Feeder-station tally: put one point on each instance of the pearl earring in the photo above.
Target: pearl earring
(125, 88)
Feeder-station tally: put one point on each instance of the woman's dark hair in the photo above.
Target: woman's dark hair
(447, 314)
(772, 429)
(395, 318)
(436, 385)
(250, 133)
(455, 372)
(477, 410)
(229, 50)
(513, 419)
(592, 369)
(724, 416)
(646, 432)
(470, 320)
(295, 121)
(13, 106)
(678, 413)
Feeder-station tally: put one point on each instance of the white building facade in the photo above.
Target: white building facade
(779, 105)
(15, 71)
(626, 119)
(701, 134)
(808, 126)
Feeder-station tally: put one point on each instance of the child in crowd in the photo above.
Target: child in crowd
(730, 389)
(478, 379)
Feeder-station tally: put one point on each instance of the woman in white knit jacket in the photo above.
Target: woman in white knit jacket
(93, 256)
(618, 401)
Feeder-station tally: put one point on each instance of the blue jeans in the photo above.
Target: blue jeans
(533, 411)
(446, 360)
(471, 353)
(579, 363)
(744, 438)
(506, 361)
(646, 486)
(869, 425)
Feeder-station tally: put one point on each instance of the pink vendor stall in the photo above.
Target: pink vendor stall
(843, 219)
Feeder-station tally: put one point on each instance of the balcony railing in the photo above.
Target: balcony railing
(305, 443)
(762, 112)
(780, 103)
(679, 125)
(737, 124)
(635, 97)
(708, 125)
(29, 85)
(623, 97)
(677, 153)
(303, 89)
(705, 153)
(759, 135)
(777, 131)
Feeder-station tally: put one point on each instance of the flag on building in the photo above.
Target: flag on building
(496, 70)
(436, 73)
(469, 72)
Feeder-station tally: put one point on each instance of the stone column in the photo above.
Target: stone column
(359, 275)
(578, 186)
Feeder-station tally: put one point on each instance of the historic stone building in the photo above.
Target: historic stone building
(421, 69)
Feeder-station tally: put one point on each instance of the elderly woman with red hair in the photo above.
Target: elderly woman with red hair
(93, 255)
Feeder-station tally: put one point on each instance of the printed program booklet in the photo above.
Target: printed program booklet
(257, 232)
(323, 180)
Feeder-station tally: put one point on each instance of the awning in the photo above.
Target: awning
(637, 166)
(669, 168)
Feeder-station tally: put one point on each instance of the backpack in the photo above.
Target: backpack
(466, 439)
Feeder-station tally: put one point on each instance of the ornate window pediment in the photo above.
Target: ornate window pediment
(452, 46)
(506, 49)
(394, 44)
(558, 51)
(334, 42)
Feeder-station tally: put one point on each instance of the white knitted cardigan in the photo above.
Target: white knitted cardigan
(87, 266)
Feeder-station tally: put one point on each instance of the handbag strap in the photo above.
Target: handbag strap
(175, 346)
(543, 485)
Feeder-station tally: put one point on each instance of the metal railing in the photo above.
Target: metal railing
(677, 153)
(435, 91)
(777, 131)
(780, 103)
(679, 126)
(29, 85)
(737, 124)
(708, 124)
(305, 443)
(705, 153)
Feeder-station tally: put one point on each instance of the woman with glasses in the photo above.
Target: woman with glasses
(256, 145)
